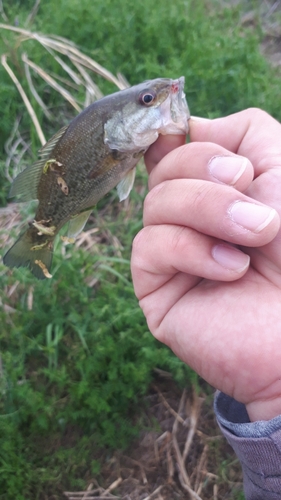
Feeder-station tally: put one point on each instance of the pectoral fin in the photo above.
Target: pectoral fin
(77, 224)
(125, 185)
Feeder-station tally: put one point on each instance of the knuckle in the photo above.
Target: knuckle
(139, 241)
(182, 154)
(150, 197)
(203, 194)
(256, 113)
(178, 239)
(140, 245)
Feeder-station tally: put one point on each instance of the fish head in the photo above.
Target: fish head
(146, 110)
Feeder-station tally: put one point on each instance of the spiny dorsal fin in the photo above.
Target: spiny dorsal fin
(26, 183)
(49, 146)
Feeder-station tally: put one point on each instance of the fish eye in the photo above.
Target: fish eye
(146, 97)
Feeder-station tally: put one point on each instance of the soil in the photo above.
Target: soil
(180, 455)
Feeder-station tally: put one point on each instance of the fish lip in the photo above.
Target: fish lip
(177, 85)
(178, 103)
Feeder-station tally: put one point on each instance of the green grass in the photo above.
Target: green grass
(75, 366)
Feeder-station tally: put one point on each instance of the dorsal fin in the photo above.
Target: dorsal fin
(26, 183)
(49, 146)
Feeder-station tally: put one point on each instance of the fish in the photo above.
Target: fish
(97, 151)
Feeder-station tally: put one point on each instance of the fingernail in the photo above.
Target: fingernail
(251, 216)
(230, 258)
(227, 169)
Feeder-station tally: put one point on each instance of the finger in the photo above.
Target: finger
(160, 252)
(163, 145)
(248, 133)
(206, 161)
(212, 209)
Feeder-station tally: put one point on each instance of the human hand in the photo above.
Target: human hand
(207, 265)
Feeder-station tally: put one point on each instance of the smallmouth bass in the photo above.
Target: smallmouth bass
(83, 161)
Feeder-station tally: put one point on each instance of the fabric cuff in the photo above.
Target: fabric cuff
(256, 444)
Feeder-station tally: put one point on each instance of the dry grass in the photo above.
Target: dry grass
(79, 72)
(181, 460)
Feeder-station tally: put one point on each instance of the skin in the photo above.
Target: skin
(206, 266)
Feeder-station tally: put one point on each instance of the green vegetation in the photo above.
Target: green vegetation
(76, 355)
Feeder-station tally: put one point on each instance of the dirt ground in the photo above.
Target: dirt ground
(181, 455)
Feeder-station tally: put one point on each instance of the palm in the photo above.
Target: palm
(229, 333)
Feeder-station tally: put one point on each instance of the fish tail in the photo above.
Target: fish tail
(33, 251)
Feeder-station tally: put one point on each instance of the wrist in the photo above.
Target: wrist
(264, 410)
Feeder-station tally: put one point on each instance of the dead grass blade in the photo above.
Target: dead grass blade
(65, 67)
(33, 90)
(183, 476)
(69, 49)
(165, 402)
(113, 486)
(32, 13)
(25, 99)
(216, 490)
(91, 87)
(76, 55)
(2, 12)
(52, 82)
(96, 494)
(155, 492)
(30, 298)
(76, 65)
(197, 485)
(15, 148)
(193, 419)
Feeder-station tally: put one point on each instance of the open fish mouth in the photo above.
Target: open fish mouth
(175, 112)
(178, 108)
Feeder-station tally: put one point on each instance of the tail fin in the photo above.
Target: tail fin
(26, 253)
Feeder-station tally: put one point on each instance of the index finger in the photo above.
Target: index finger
(160, 148)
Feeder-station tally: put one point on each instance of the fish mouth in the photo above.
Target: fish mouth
(174, 110)
(178, 107)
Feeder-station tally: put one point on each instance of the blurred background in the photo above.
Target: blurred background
(89, 401)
